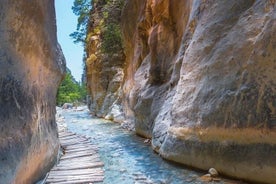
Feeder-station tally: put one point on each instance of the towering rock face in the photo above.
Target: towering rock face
(31, 67)
(105, 59)
(199, 79)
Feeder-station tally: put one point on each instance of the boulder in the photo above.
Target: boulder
(67, 106)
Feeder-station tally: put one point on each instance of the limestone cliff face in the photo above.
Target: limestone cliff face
(31, 67)
(105, 60)
(199, 79)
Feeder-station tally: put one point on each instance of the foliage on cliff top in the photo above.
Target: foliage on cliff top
(70, 90)
(110, 28)
(107, 24)
(81, 8)
(112, 40)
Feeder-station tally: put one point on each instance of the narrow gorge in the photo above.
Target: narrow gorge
(197, 77)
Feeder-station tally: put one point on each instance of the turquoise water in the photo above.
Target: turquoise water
(127, 159)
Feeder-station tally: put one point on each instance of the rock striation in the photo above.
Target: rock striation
(31, 68)
(199, 79)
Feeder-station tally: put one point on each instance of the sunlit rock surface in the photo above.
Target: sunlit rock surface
(199, 79)
(105, 60)
(31, 67)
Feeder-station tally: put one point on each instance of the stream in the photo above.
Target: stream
(127, 158)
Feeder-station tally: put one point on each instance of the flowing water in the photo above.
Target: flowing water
(127, 159)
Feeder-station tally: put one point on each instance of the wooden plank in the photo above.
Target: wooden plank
(76, 156)
(85, 153)
(90, 176)
(79, 149)
(80, 162)
(79, 172)
(66, 176)
(76, 172)
(93, 158)
(77, 181)
(70, 178)
(74, 167)
(72, 147)
(63, 176)
(69, 166)
(85, 170)
(79, 159)
(75, 152)
(73, 138)
(73, 143)
(75, 163)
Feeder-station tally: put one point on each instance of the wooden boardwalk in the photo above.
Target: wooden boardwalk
(80, 162)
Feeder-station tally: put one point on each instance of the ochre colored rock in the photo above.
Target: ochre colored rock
(31, 68)
(105, 60)
(199, 80)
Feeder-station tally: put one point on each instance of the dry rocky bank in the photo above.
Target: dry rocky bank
(31, 68)
(197, 77)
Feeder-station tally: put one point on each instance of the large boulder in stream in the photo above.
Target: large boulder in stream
(199, 78)
(31, 68)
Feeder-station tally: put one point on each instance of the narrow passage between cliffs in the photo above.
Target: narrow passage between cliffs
(127, 158)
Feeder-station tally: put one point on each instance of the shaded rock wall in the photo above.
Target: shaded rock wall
(31, 67)
(199, 79)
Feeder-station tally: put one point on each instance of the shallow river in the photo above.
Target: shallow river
(127, 159)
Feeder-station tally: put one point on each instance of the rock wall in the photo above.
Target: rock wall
(199, 79)
(31, 68)
(105, 60)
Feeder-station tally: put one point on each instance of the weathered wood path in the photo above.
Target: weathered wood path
(80, 162)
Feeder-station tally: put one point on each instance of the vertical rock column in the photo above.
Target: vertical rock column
(31, 68)
(105, 60)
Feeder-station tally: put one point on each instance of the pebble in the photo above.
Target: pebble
(213, 172)
(147, 141)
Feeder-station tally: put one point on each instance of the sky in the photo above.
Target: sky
(67, 24)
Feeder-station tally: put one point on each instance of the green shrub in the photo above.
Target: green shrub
(70, 91)
(111, 39)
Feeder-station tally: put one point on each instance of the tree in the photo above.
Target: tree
(81, 8)
(70, 91)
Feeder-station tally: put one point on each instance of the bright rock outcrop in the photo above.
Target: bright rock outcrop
(105, 60)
